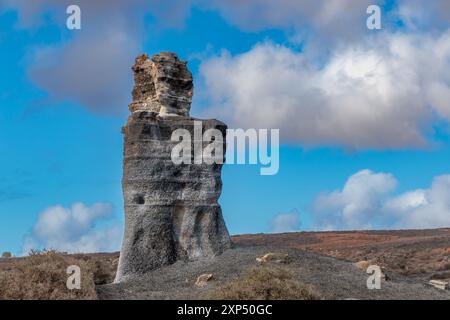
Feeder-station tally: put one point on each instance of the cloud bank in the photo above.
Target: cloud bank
(286, 222)
(348, 87)
(318, 20)
(379, 94)
(74, 230)
(367, 201)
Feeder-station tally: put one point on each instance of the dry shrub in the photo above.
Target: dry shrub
(104, 267)
(6, 255)
(265, 283)
(42, 276)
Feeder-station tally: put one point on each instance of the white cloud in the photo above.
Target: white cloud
(367, 201)
(92, 66)
(378, 94)
(74, 229)
(354, 206)
(92, 70)
(286, 222)
(353, 91)
(330, 21)
(426, 208)
(314, 20)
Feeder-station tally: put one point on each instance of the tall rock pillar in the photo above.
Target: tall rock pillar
(171, 210)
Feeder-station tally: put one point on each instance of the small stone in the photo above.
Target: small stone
(203, 279)
(439, 284)
(273, 257)
(362, 265)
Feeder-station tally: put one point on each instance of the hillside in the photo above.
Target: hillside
(323, 262)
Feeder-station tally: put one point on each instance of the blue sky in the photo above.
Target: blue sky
(362, 146)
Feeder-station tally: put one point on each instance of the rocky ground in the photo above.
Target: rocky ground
(325, 261)
(330, 277)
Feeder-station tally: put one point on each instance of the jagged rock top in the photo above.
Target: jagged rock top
(163, 84)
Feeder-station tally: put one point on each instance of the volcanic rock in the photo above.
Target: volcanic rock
(171, 210)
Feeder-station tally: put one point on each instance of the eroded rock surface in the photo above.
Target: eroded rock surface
(171, 211)
(162, 85)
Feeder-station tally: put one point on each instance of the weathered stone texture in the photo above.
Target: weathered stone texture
(162, 85)
(171, 211)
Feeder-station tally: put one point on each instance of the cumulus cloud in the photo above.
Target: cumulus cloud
(330, 20)
(357, 88)
(427, 208)
(74, 229)
(367, 201)
(286, 222)
(318, 20)
(378, 94)
(92, 66)
(92, 72)
(356, 205)
(169, 13)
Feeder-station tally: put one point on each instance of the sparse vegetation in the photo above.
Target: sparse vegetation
(6, 254)
(42, 275)
(266, 283)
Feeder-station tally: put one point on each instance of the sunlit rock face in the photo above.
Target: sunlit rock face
(162, 85)
(171, 210)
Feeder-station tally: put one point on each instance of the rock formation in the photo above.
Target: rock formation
(171, 210)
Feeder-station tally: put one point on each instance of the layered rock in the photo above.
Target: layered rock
(171, 210)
